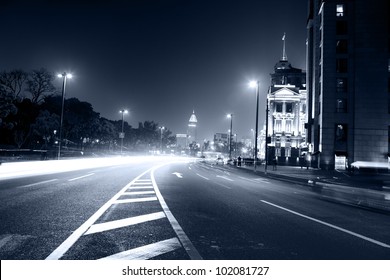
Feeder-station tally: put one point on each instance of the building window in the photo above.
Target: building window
(341, 85)
(341, 105)
(341, 65)
(342, 46)
(289, 107)
(341, 27)
(278, 152)
(279, 107)
(278, 125)
(340, 10)
(288, 126)
(341, 133)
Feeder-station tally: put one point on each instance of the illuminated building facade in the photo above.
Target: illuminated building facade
(192, 129)
(348, 82)
(287, 113)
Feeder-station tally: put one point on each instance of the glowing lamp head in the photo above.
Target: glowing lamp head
(253, 84)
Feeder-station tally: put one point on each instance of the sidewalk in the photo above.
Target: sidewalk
(363, 190)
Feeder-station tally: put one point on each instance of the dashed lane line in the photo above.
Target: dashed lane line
(141, 188)
(147, 251)
(226, 178)
(38, 183)
(202, 176)
(330, 225)
(125, 222)
(81, 177)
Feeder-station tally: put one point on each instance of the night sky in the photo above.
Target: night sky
(159, 59)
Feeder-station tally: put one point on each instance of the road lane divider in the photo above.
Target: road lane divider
(224, 177)
(124, 222)
(132, 200)
(330, 225)
(38, 183)
(202, 176)
(81, 177)
(138, 193)
(147, 251)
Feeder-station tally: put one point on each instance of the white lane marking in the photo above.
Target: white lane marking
(184, 240)
(147, 251)
(189, 167)
(142, 184)
(179, 175)
(223, 177)
(132, 200)
(202, 176)
(143, 180)
(330, 225)
(90, 174)
(137, 193)
(34, 184)
(125, 222)
(141, 188)
(64, 247)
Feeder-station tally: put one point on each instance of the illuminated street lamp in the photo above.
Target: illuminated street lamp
(161, 137)
(255, 84)
(64, 76)
(122, 134)
(252, 85)
(230, 116)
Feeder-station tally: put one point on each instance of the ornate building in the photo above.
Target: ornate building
(192, 129)
(287, 112)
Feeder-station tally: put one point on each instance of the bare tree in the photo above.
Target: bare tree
(13, 83)
(40, 84)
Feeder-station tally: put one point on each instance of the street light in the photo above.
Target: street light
(161, 137)
(122, 134)
(64, 76)
(256, 84)
(230, 116)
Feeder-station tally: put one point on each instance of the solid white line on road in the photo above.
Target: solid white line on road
(223, 177)
(137, 193)
(330, 225)
(142, 184)
(90, 174)
(143, 180)
(65, 246)
(147, 251)
(132, 200)
(34, 184)
(140, 188)
(202, 176)
(125, 222)
(184, 240)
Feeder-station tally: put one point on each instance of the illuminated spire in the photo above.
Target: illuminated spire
(284, 56)
(193, 118)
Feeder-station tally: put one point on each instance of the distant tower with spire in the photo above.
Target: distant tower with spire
(192, 128)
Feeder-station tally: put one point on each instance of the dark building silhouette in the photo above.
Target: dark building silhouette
(348, 82)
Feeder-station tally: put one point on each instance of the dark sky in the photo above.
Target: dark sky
(159, 59)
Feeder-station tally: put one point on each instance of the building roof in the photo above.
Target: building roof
(193, 118)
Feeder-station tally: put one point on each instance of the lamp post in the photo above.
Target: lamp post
(64, 76)
(252, 85)
(256, 84)
(230, 116)
(122, 134)
(161, 137)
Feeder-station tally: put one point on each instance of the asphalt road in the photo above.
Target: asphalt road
(187, 210)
